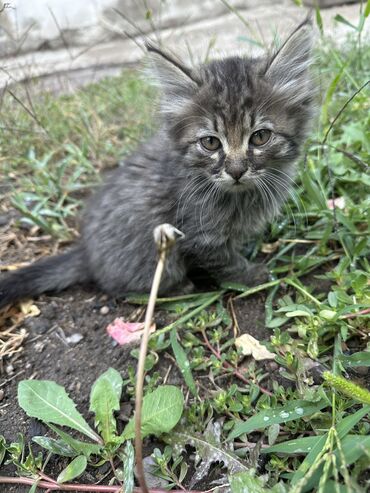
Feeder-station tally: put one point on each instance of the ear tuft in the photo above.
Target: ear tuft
(288, 67)
(177, 81)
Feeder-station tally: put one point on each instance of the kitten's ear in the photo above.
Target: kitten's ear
(288, 67)
(173, 77)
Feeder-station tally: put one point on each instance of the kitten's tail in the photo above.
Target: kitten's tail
(50, 274)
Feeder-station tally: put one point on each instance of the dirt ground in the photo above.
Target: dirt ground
(48, 352)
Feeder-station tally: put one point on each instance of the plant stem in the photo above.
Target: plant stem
(165, 237)
(228, 365)
(141, 371)
(188, 315)
(365, 311)
(51, 486)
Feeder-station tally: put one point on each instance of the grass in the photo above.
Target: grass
(313, 435)
(53, 148)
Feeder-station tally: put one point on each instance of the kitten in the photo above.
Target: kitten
(219, 168)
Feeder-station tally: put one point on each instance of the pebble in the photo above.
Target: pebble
(104, 310)
(1, 394)
(9, 369)
(74, 338)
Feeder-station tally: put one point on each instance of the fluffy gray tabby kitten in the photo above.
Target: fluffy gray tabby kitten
(219, 168)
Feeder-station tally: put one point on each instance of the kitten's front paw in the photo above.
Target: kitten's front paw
(257, 274)
(165, 235)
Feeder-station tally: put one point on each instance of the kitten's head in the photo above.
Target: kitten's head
(240, 120)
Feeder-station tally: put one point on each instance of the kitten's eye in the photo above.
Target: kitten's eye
(210, 143)
(260, 137)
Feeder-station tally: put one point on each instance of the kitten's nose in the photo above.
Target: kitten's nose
(236, 171)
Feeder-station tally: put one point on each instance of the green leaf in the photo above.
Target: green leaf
(2, 448)
(313, 191)
(319, 22)
(49, 402)
(343, 20)
(128, 467)
(343, 428)
(361, 358)
(300, 446)
(298, 313)
(353, 447)
(209, 450)
(58, 447)
(248, 482)
(281, 414)
(367, 9)
(104, 400)
(183, 363)
(328, 314)
(78, 446)
(234, 286)
(73, 470)
(161, 411)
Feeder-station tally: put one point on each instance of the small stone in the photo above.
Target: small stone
(104, 310)
(74, 338)
(9, 369)
(1, 394)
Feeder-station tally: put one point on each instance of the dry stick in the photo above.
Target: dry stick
(165, 236)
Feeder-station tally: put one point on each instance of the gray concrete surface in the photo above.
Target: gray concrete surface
(224, 33)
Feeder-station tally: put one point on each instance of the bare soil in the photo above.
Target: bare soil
(47, 351)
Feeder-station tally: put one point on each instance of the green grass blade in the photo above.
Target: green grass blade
(183, 363)
(282, 414)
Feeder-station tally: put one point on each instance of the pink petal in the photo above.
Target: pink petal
(338, 202)
(126, 332)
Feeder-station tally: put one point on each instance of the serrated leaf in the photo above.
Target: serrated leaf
(58, 447)
(208, 450)
(161, 411)
(281, 414)
(248, 482)
(49, 402)
(361, 358)
(128, 467)
(73, 470)
(78, 446)
(183, 362)
(104, 400)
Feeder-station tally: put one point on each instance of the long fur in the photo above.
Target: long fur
(219, 199)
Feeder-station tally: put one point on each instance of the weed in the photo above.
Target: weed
(310, 426)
